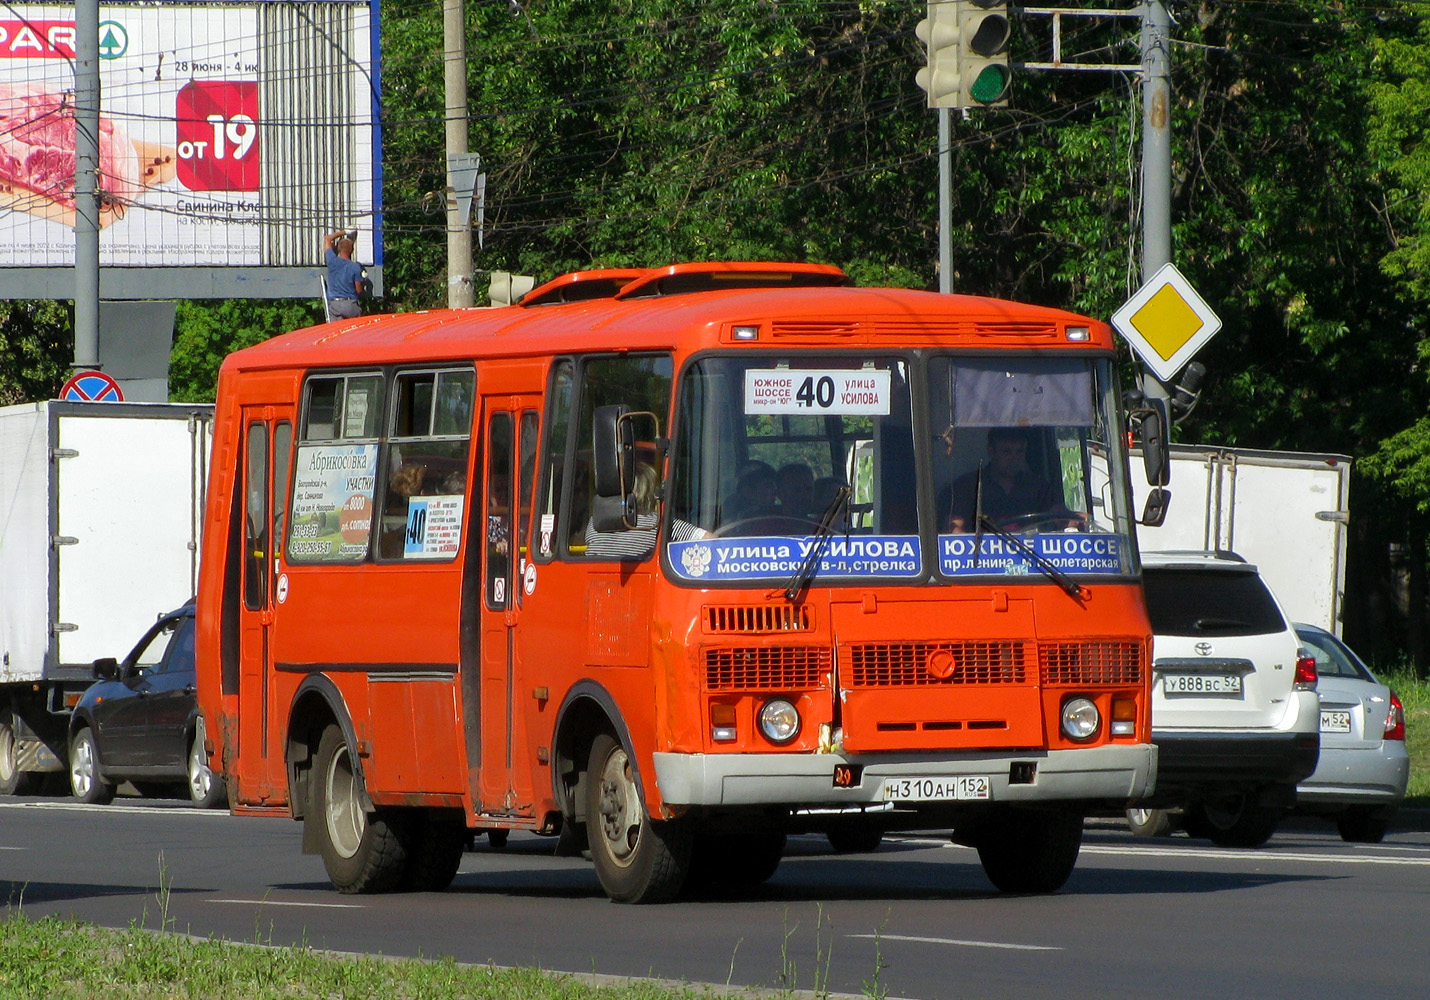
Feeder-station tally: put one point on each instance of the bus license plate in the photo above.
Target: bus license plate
(1335, 721)
(1201, 684)
(955, 788)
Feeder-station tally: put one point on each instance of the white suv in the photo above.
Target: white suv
(1235, 714)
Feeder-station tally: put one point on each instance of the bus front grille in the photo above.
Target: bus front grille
(908, 664)
(1076, 664)
(767, 668)
(748, 619)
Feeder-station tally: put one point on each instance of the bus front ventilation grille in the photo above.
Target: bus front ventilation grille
(1065, 664)
(754, 619)
(908, 664)
(767, 668)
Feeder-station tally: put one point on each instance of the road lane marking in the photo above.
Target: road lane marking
(275, 902)
(154, 810)
(1258, 855)
(958, 941)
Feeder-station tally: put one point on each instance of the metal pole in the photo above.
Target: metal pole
(945, 202)
(86, 184)
(459, 232)
(1156, 139)
(1156, 154)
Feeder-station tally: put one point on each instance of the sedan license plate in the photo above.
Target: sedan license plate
(1335, 721)
(1201, 684)
(954, 788)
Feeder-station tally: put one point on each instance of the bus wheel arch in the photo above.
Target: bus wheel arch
(587, 712)
(317, 704)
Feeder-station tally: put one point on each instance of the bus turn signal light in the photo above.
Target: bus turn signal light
(1124, 717)
(722, 723)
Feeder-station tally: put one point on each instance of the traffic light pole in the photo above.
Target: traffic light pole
(945, 202)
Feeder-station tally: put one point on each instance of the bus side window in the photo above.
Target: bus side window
(558, 438)
(255, 573)
(426, 456)
(500, 533)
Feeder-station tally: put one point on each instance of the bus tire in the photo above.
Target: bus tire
(362, 853)
(637, 859)
(437, 839)
(1029, 850)
(13, 781)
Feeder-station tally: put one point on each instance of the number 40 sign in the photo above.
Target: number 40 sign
(216, 125)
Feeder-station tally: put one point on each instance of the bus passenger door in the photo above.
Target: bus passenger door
(268, 438)
(510, 425)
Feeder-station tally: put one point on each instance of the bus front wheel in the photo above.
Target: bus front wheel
(1029, 850)
(362, 852)
(637, 859)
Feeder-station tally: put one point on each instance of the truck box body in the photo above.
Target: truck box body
(1284, 511)
(100, 507)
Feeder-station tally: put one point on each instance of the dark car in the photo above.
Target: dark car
(139, 722)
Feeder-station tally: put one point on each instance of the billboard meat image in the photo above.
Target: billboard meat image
(37, 158)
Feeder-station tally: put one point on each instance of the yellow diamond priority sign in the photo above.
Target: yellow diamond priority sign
(1166, 322)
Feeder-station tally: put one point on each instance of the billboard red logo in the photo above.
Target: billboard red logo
(217, 131)
(36, 39)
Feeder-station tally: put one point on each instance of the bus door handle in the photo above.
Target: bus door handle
(265, 617)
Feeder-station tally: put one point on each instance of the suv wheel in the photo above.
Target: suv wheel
(1235, 821)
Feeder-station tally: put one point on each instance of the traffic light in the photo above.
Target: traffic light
(983, 34)
(967, 43)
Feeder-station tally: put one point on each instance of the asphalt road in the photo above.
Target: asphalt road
(1306, 916)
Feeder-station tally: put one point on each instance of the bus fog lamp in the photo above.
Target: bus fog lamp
(1080, 719)
(779, 721)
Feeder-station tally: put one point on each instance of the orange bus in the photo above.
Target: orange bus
(671, 564)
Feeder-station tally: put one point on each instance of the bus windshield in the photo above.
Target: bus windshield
(805, 463)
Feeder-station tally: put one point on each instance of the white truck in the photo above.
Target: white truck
(100, 511)
(1284, 511)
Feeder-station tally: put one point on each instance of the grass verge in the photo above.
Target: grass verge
(66, 960)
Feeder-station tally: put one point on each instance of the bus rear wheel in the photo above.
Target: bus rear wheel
(637, 859)
(437, 838)
(1029, 850)
(362, 852)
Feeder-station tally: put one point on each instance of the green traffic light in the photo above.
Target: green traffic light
(991, 84)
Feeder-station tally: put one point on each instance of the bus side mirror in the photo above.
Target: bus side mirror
(612, 453)
(1154, 511)
(1153, 430)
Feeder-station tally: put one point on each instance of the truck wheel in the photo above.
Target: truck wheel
(1029, 850)
(437, 838)
(206, 789)
(85, 782)
(637, 859)
(1149, 822)
(1236, 821)
(362, 853)
(13, 781)
(1364, 824)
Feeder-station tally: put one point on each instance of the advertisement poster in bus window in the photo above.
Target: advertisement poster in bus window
(434, 527)
(333, 508)
(184, 177)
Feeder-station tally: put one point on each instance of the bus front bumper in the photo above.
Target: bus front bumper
(1109, 773)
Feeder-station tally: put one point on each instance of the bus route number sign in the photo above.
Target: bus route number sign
(833, 391)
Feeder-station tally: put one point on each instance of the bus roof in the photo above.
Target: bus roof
(687, 305)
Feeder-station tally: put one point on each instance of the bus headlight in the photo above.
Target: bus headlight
(1080, 719)
(779, 721)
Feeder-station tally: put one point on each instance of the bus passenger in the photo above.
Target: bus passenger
(796, 491)
(756, 495)
(638, 542)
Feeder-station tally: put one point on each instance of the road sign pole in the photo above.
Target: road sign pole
(1156, 155)
(86, 184)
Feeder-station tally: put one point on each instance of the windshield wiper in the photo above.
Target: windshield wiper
(1073, 588)
(802, 576)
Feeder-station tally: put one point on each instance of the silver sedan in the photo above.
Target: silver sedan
(1361, 776)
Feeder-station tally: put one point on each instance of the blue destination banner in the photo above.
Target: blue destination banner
(777, 557)
(1071, 552)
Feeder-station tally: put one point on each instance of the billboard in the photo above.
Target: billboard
(232, 135)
